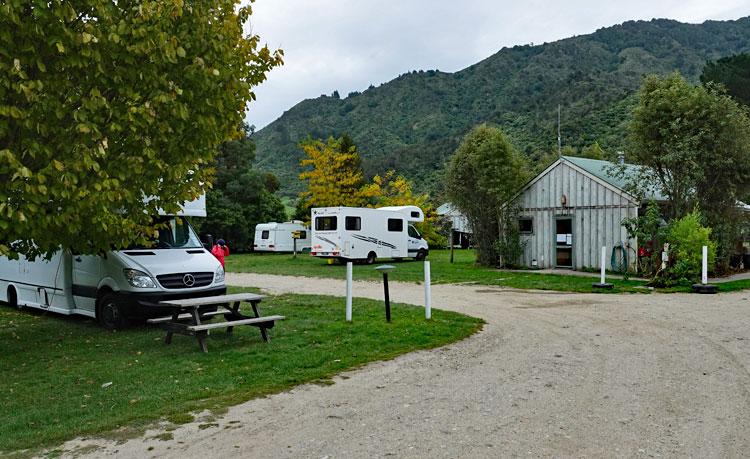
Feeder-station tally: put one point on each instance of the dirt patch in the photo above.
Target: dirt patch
(549, 375)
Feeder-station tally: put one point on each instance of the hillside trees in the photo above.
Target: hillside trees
(482, 176)
(696, 140)
(241, 197)
(104, 103)
(734, 73)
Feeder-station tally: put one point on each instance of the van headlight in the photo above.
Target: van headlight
(138, 279)
(219, 275)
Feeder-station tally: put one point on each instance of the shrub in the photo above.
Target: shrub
(686, 237)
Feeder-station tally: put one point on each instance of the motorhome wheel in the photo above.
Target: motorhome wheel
(370, 258)
(13, 297)
(421, 255)
(111, 313)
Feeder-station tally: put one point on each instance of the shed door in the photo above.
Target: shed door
(564, 242)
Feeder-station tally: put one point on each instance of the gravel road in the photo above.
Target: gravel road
(551, 374)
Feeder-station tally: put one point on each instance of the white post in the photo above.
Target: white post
(427, 293)
(604, 263)
(349, 291)
(704, 273)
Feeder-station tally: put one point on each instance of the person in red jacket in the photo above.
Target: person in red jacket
(220, 250)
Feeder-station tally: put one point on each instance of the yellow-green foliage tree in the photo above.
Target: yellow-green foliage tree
(104, 103)
(333, 172)
(396, 190)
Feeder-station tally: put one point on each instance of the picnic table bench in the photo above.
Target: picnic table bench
(187, 319)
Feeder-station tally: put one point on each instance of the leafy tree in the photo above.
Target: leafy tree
(105, 103)
(734, 73)
(241, 197)
(696, 141)
(482, 176)
(393, 190)
(333, 175)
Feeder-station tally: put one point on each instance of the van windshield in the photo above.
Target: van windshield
(174, 233)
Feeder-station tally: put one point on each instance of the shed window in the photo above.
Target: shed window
(303, 234)
(525, 225)
(353, 223)
(395, 225)
(265, 234)
(325, 223)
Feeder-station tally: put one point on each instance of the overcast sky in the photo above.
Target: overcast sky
(346, 45)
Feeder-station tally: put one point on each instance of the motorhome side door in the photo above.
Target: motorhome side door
(87, 271)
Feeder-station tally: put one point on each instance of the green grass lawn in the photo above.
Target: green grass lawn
(462, 270)
(54, 368)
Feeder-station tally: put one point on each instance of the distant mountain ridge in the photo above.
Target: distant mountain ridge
(414, 122)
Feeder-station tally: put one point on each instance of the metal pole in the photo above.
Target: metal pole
(704, 271)
(294, 243)
(559, 137)
(604, 262)
(451, 243)
(387, 298)
(349, 291)
(427, 292)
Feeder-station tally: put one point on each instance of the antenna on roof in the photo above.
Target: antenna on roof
(559, 138)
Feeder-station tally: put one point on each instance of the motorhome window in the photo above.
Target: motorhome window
(303, 234)
(525, 225)
(415, 214)
(325, 223)
(353, 223)
(173, 233)
(413, 232)
(265, 234)
(395, 225)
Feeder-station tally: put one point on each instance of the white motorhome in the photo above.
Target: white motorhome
(353, 233)
(277, 237)
(118, 284)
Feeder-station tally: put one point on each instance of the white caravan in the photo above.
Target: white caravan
(354, 233)
(118, 284)
(277, 237)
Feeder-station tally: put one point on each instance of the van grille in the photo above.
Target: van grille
(182, 280)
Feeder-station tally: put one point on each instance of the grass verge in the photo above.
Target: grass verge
(462, 270)
(56, 370)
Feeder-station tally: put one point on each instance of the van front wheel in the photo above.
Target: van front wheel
(111, 312)
(13, 297)
(421, 255)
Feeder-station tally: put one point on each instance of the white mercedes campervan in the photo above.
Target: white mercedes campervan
(119, 284)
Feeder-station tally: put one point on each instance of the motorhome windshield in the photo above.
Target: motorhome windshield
(174, 233)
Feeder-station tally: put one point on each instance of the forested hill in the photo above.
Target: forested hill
(414, 122)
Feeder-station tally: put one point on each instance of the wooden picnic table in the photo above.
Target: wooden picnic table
(187, 319)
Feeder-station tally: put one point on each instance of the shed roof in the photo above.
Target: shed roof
(604, 170)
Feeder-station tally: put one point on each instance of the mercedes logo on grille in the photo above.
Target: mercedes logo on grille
(188, 280)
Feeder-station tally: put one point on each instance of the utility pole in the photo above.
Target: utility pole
(559, 137)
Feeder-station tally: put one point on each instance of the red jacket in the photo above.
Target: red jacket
(220, 252)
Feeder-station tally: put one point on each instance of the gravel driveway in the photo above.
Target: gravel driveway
(551, 374)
